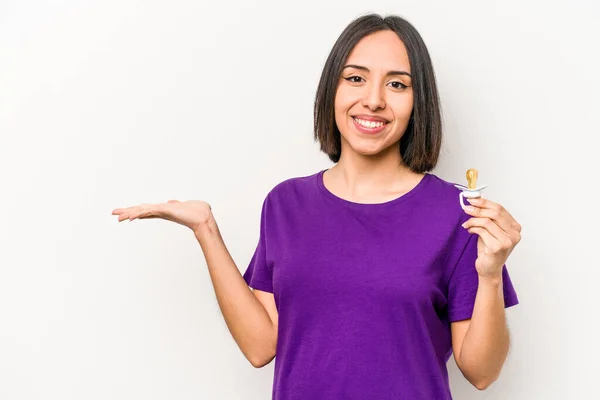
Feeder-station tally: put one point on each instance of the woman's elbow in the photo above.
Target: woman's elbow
(483, 383)
(262, 355)
(260, 361)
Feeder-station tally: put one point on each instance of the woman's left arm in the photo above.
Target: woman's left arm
(480, 344)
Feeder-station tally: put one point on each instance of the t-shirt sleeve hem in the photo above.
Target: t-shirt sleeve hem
(260, 285)
(460, 315)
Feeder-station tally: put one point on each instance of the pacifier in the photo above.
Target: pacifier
(471, 191)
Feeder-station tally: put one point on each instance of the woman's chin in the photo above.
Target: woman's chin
(367, 151)
(370, 147)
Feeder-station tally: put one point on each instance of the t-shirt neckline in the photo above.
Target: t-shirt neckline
(412, 192)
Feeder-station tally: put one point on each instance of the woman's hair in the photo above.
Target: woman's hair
(420, 145)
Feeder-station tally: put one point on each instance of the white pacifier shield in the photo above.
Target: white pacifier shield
(468, 193)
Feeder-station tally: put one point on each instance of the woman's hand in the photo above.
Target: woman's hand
(191, 213)
(498, 233)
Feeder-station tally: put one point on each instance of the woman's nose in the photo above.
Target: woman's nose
(374, 98)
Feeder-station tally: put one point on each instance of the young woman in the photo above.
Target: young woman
(368, 275)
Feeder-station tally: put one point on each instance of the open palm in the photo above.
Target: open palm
(190, 213)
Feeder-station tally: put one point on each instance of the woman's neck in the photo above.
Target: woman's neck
(370, 179)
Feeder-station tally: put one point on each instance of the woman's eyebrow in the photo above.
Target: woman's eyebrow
(390, 73)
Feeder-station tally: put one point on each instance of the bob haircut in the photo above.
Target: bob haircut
(421, 142)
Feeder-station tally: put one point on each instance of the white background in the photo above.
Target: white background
(106, 104)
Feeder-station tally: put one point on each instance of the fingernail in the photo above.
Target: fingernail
(469, 208)
(463, 225)
(473, 201)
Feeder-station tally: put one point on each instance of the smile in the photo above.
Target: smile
(369, 127)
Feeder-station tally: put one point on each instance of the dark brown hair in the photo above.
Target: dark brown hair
(420, 145)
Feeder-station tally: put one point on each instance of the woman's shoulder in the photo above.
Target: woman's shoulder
(442, 194)
(444, 186)
(302, 182)
(297, 187)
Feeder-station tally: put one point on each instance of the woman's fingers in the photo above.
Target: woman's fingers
(488, 209)
(143, 211)
(121, 212)
(488, 225)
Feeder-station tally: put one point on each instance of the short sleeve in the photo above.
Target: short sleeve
(258, 274)
(464, 281)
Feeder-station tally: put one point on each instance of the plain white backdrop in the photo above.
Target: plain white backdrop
(106, 104)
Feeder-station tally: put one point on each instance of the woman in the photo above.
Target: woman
(369, 275)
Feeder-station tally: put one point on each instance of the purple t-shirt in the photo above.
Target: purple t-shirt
(365, 292)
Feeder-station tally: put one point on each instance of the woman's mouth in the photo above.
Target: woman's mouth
(369, 126)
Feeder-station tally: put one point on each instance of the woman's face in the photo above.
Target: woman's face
(374, 98)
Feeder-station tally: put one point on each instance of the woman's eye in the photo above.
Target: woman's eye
(354, 79)
(398, 85)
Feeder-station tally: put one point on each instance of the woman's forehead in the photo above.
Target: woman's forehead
(382, 49)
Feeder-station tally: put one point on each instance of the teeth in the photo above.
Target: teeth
(369, 124)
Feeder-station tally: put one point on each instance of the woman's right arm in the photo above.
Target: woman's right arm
(251, 316)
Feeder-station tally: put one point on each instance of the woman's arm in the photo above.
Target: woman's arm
(481, 343)
(250, 317)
